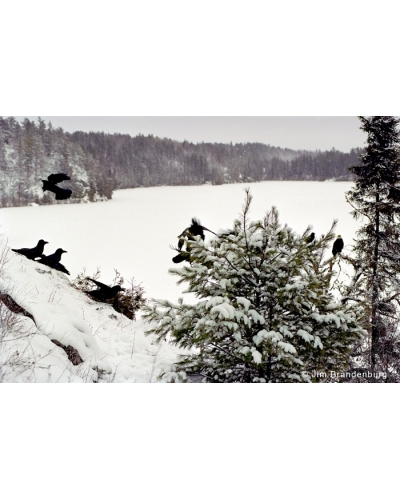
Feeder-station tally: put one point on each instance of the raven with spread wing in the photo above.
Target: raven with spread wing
(104, 292)
(189, 234)
(51, 185)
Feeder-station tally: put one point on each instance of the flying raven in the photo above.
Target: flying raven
(51, 185)
(337, 245)
(53, 260)
(195, 229)
(32, 253)
(104, 292)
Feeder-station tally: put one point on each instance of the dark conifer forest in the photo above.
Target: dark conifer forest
(99, 163)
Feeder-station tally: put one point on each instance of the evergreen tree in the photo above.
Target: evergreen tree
(265, 313)
(375, 199)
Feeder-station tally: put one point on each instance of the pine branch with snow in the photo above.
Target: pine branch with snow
(265, 312)
(376, 256)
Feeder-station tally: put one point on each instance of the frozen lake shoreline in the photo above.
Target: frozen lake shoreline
(133, 232)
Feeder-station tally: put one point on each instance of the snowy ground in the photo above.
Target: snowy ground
(133, 232)
(113, 348)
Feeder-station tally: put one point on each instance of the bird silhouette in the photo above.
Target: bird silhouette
(337, 245)
(310, 238)
(32, 253)
(104, 292)
(53, 260)
(187, 235)
(51, 185)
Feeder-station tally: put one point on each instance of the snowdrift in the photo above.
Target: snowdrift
(107, 346)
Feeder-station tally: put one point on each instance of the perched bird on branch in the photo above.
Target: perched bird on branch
(51, 185)
(104, 292)
(53, 260)
(189, 234)
(32, 253)
(310, 238)
(337, 245)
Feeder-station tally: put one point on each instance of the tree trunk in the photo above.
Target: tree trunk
(375, 290)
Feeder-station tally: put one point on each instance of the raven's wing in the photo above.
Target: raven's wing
(180, 258)
(180, 243)
(197, 229)
(97, 295)
(56, 178)
(52, 256)
(60, 267)
(44, 259)
(23, 251)
(49, 186)
(99, 284)
(62, 194)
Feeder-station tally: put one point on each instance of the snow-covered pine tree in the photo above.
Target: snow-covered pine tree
(375, 199)
(265, 313)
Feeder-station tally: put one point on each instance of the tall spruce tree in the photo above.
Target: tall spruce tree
(376, 202)
(265, 312)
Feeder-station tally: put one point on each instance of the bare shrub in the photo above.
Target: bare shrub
(4, 254)
(15, 356)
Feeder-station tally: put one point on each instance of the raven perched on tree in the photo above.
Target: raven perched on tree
(104, 292)
(53, 260)
(310, 238)
(51, 185)
(32, 253)
(195, 229)
(337, 245)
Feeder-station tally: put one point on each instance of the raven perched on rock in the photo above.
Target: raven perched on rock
(51, 185)
(104, 292)
(53, 260)
(195, 229)
(32, 253)
(54, 257)
(337, 245)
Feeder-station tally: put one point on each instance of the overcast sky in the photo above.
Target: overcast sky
(298, 132)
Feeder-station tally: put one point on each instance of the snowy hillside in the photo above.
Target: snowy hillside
(108, 346)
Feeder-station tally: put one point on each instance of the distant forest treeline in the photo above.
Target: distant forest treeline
(99, 163)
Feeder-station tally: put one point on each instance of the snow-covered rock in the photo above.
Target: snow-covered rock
(112, 347)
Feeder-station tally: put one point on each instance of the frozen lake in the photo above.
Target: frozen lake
(133, 232)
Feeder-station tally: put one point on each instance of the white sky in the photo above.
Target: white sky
(295, 132)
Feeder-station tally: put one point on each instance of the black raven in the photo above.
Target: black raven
(53, 260)
(32, 253)
(195, 229)
(54, 257)
(337, 245)
(310, 238)
(51, 185)
(104, 292)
